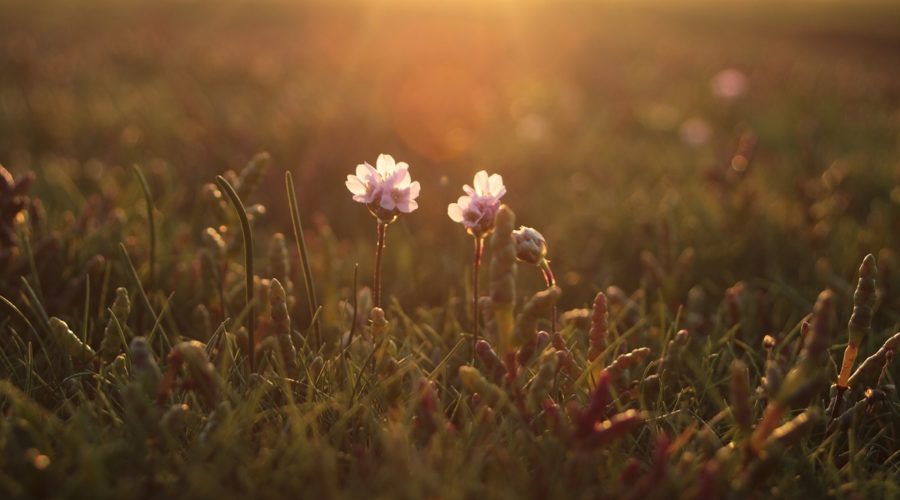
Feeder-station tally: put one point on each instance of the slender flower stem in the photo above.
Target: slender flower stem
(551, 282)
(479, 251)
(379, 249)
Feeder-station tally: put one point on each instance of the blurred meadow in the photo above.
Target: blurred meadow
(603, 119)
(693, 154)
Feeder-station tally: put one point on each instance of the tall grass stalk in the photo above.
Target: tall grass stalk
(311, 300)
(248, 264)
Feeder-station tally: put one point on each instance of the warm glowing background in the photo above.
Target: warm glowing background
(618, 126)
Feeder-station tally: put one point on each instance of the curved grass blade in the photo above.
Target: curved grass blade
(248, 262)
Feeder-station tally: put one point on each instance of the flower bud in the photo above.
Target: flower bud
(531, 247)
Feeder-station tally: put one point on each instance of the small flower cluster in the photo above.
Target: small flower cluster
(478, 208)
(387, 190)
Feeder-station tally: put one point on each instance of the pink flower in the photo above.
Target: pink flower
(387, 189)
(477, 209)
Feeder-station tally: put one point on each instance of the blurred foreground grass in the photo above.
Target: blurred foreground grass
(717, 164)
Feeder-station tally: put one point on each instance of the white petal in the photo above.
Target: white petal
(481, 182)
(455, 212)
(355, 185)
(414, 189)
(401, 179)
(402, 165)
(468, 190)
(495, 183)
(361, 171)
(406, 206)
(385, 164)
(464, 202)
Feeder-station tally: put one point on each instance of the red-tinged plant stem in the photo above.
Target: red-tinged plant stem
(479, 251)
(850, 354)
(379, 250)
(551, 282)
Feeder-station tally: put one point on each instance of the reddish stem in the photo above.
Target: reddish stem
(379, 249)
(479, 250)
(551, 282)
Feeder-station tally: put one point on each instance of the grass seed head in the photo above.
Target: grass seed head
(71, 344)
(599, 326)
(111, 345)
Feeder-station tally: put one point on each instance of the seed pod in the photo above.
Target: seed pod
(144, 370)
(599, 326)
(71, 344)
(379, 322)
(626, 361)
(542, 383)
(117, 368)
(378, 330)
(490, 393)
(790, 433)
(801, 382)
(202, 322)
(577, 318)
(251, 175)
(804, 380)
(503, 276)
(869, 370)
(741, 406)
(596, 408)
(491, 361)
(279, 260)
(111, 344)
(614, 429)
(200, 375)
(863, 301)
(818, 338)
(861, 320)
(426, 414)
(281, 328)
(674, 350)
(538, 306)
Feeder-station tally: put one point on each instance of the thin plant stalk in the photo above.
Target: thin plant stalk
(476, 266)
(551, 282)
(151, 221)
(248, 264)
(379, 250)
(304, 255)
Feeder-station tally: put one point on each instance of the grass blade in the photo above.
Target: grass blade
(304, 254)
(248, 262)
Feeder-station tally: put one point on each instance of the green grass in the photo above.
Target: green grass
(126, 112)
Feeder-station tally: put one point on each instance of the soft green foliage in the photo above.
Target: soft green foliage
(152, 346)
